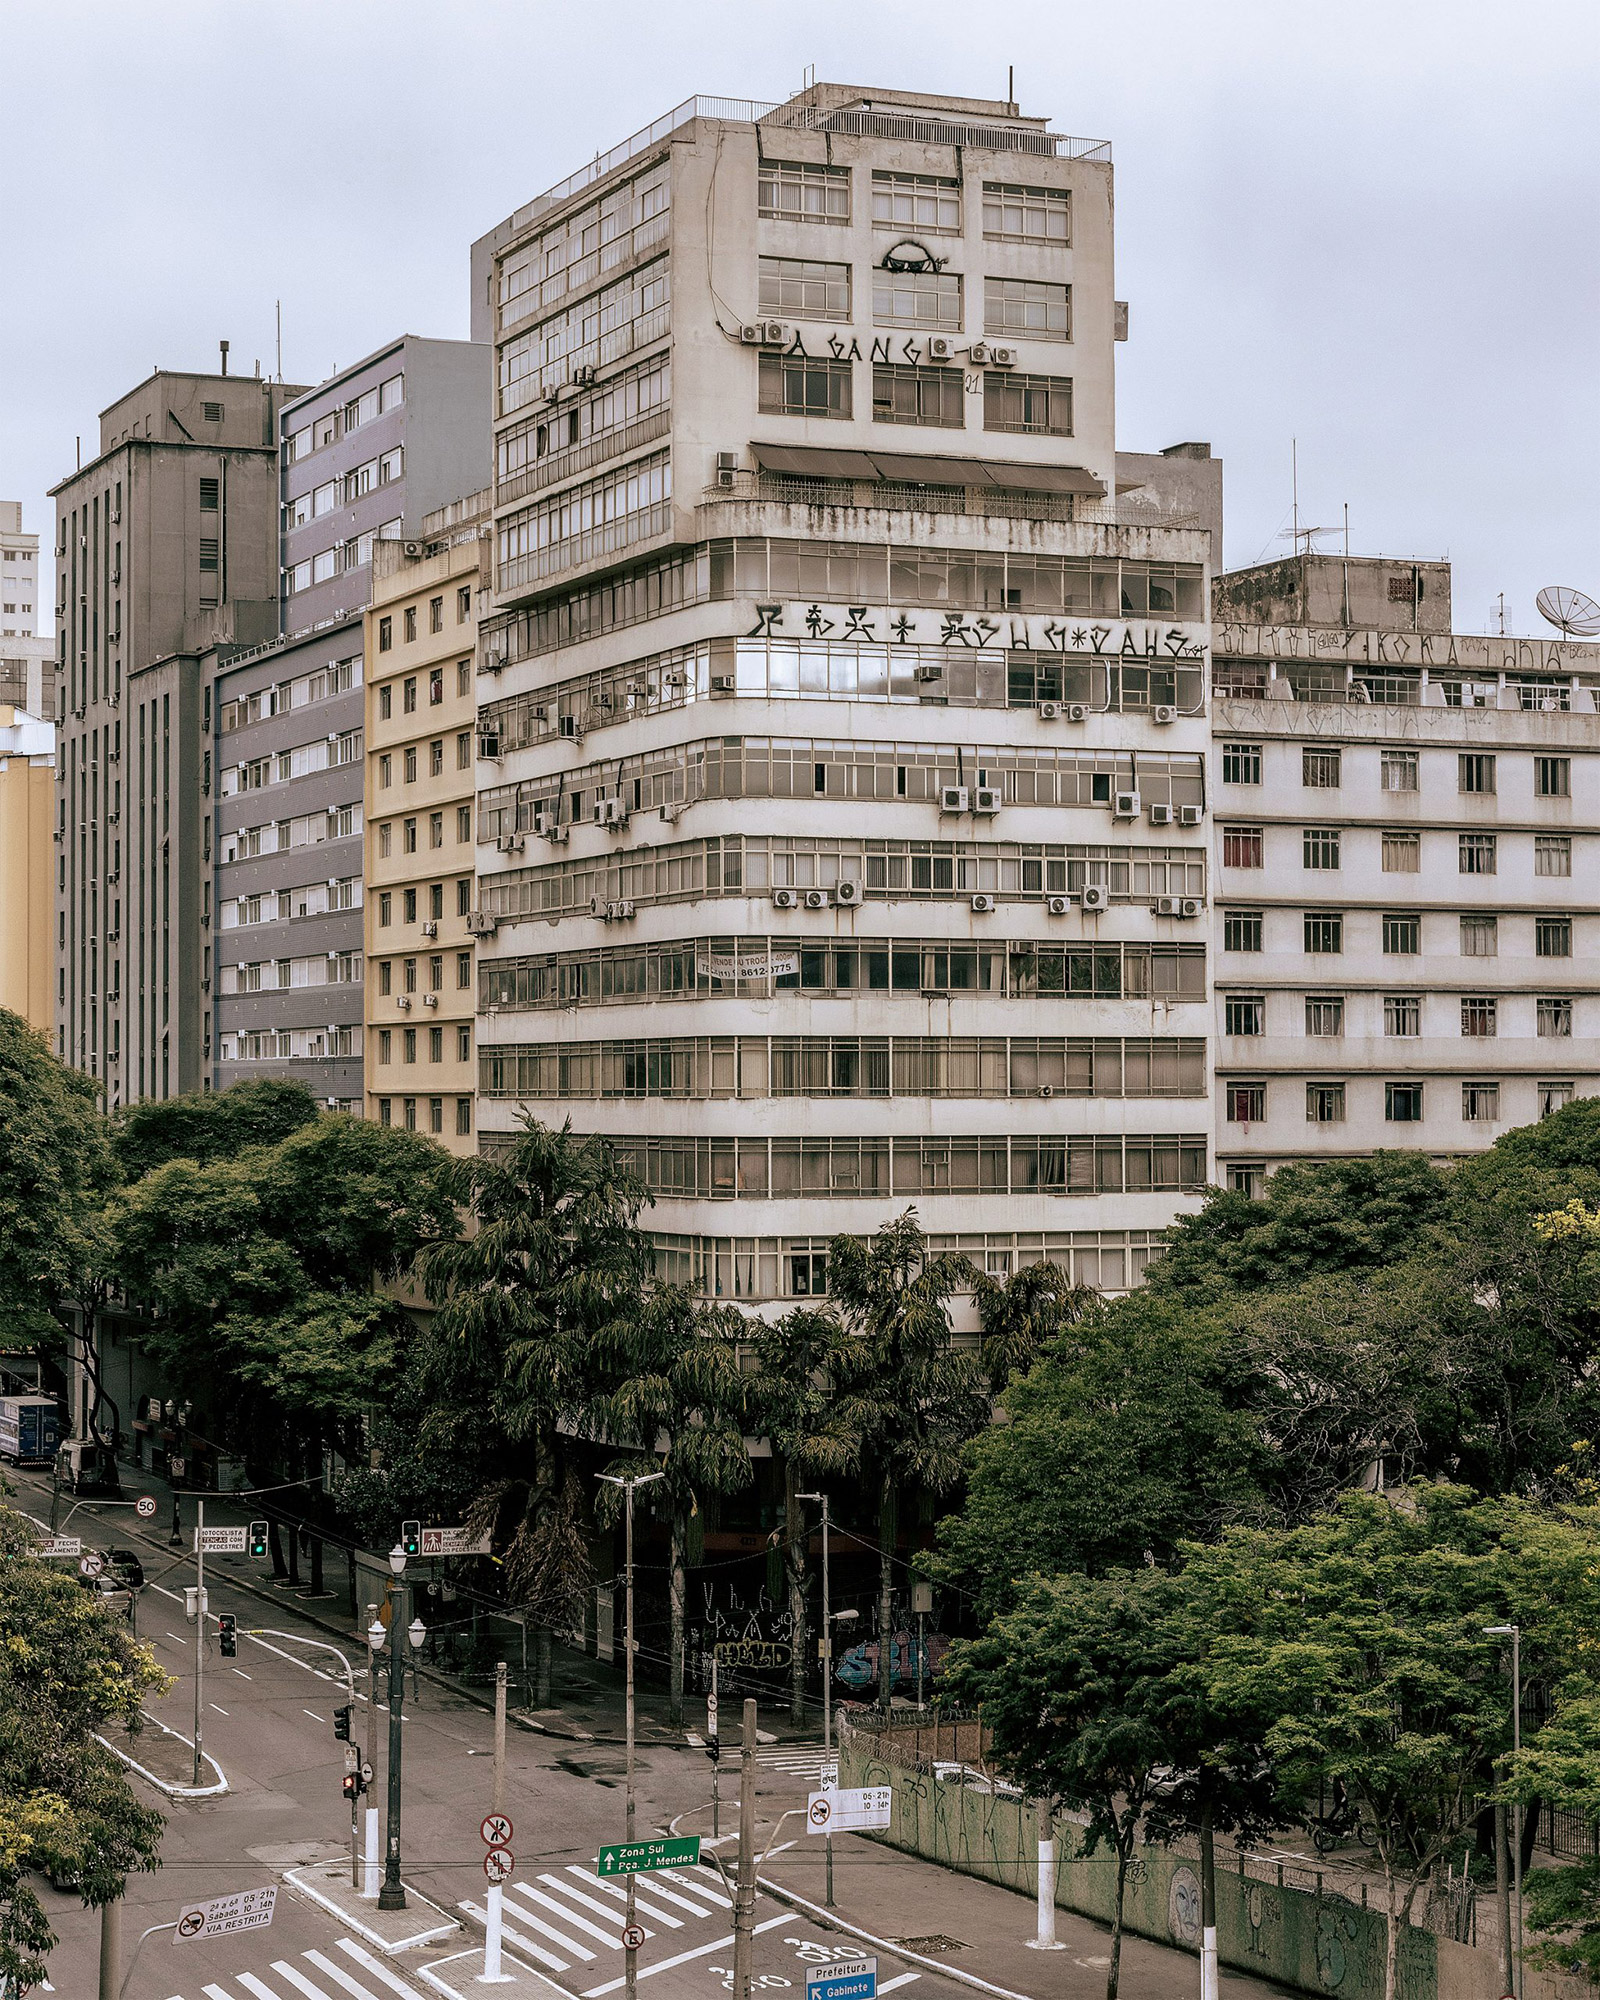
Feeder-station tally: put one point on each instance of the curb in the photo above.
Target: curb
(798, 1902)
(389, 1948)
(172, 1791)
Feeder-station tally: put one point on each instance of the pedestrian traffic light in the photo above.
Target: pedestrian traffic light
(411, 1537)
(258, 1538)
(227, 1634)
(714, 1749)
(341, 1724)
(353, 1787)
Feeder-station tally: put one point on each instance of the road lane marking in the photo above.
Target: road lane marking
(600, 1909)
(259, 1987)
(618, 1894)
(697, 1885)
(312, 1713)
(905, 1979)
(568, 1915)
(365, 1959)
(666, 1964)
(299, 1981)
(659, 1889)
(182, 1641)
(512, 1936)
(241, 1673)
(220, 1711)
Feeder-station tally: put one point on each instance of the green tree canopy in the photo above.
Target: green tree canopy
(206, 1125)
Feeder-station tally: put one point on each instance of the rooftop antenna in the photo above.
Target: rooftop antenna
(1345, 577)
(1577, 616)
(1500, 612)
(278, 306)
(1011, 88)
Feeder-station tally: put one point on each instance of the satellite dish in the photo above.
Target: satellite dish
(1576, 615)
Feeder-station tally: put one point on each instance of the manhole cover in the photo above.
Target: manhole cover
(938, 1942)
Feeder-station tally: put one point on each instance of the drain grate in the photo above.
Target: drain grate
(938, 1942)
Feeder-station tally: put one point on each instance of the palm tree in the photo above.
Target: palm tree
(912, 1398)
(797, 1394)
(1022, 1313)
(677, 1397)
(554, 1257)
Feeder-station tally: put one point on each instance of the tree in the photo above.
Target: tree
(678, 1399)
(1070, 1682)
(67, 1671)
(207, 1125)
(1131, 1431)
(554, 1257)
(1562, 1766)
(797, 1395)
(1022, 1313)
(911, 1397)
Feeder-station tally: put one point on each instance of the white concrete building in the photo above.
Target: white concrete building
(27, 659)
(1405, 857)
(842, 835)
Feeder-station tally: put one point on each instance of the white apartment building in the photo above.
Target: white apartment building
(27, 661)
(1406, 850)
(841, 822)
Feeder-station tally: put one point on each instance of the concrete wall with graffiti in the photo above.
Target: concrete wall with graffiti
(1318, 1944)
(751, 1631)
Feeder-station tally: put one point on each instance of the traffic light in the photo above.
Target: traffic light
(227, 1634)
(341, 1724)
(258, 1538)
(714, 1749)
(353, 1787)
(411, 1537)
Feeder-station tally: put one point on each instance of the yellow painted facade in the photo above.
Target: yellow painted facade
(27, 858)
(420, 1056)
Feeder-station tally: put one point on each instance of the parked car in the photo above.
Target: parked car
(109, 1590)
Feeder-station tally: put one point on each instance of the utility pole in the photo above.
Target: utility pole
(498, 1798)
(827, 1684)
(744, 1900)
(369, 1886)
(630, 1966)
(495, 1897)
(199, 1624)
(1514, 1634)
(392, 1896)
(111, 1949)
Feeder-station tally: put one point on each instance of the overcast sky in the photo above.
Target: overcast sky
(1371, 227)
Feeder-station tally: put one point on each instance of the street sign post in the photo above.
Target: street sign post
(222, 1541)
(496, 1830)
(223, 1916)
(454, 1542)
(145, 1506)
(844, 1979)
(633, 1937)
(638, 1857)
(498, 1863)
(851, 1811)
(90, 1563)
(61, 1545)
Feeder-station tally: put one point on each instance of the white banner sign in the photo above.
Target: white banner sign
(222, 1541)
(251, 1910)
(62, 1545)
(848, 1811)
(453, 1542)
(747, 964)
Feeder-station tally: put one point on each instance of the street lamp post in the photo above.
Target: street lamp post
(827, 1677)
(392, 1895)
(630, 1956)
(1514, 1634)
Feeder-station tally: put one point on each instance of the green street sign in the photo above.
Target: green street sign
(636, 1857)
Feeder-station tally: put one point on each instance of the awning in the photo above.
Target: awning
(904, 468)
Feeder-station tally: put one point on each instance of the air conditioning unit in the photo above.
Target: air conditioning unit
(510, 843)
(848, 892)
(953, 799)
(987, 799)
(1161, 815)
(412, 548)
(430, 999)
(978, 353)
(1057, 906)
(752, 336)
(982, 906)
(583, 378)
(1189, 815)
(931, 673)
(1003, 357)
(786, 899)
(941, 347)
(430, 930)
(1049, 711)
(403, 1002)
(1125, 805)
(1045, 1090)
(1164, 712)
(623, 907)
(726, 476)
(597, 906)
(723, 684)
(1191, 906)
(776, 333)
(610, 812)
(543, 823)
(676, 679)
(1164, 906)
(816, 899)
(1076, 711)
(493, 660)
(1096, 897)
(481, 923)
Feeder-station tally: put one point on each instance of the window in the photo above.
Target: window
(1398, 770)
(918, 396)
(797, 286)
(1320, 769)
(1324, 1014)
(916, 201)
(408, 695)
(436, 829)
(1027, 308)
(930, 300)
(1554, 1015)
(1241, 847)
(408, 969)
(1480, 937)
(411, 763)
(436, 901)
(1552, 777)
(1026, 214)
(1552, 1096)
(1247, 1103)
(385, 1045)
(1552, 854)
(411, 621)
(1479, 1015)
(796, 385)
(463, 823)
(385, 1110)
(209, 488)
(1402, 851)
(410, 904)
(385, 976)
(408, 836)
(1241, 930)
(1036, 405)
(463, 973)
(1241, 763)
(463, 677)
(408, 1045)
(804, 193)
(385, 634)
(1476, 772)
(435, 614)
(1248, 1181)
(1402, 1014)
(385, 906)
(436, 686)
(385, 840)
(464, 885)
(1402, 1103)
(1319, 847)
(385, 703)
(463, 607)
(385, 771)
(463, 1117)
(1323, 933)
(1480, 1101)
(1324, 1103)
(1476, 853)
(436, 757)
(1243, 1015)
(464, 750)
(1552, 937)
(436, 1045)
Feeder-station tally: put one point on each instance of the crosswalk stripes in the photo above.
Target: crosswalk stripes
(796, 1760)
(566, 1917)
(319, 1977)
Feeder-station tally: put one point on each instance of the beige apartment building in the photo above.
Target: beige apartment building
(27, 797)
(421, 720)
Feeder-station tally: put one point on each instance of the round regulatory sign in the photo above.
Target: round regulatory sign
(145, 1506)
(90, 1563)
(496, 1830)
(191, 1923)
(366, 1774)
(819, 1812)
(633, 1937)
(498, 1863)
